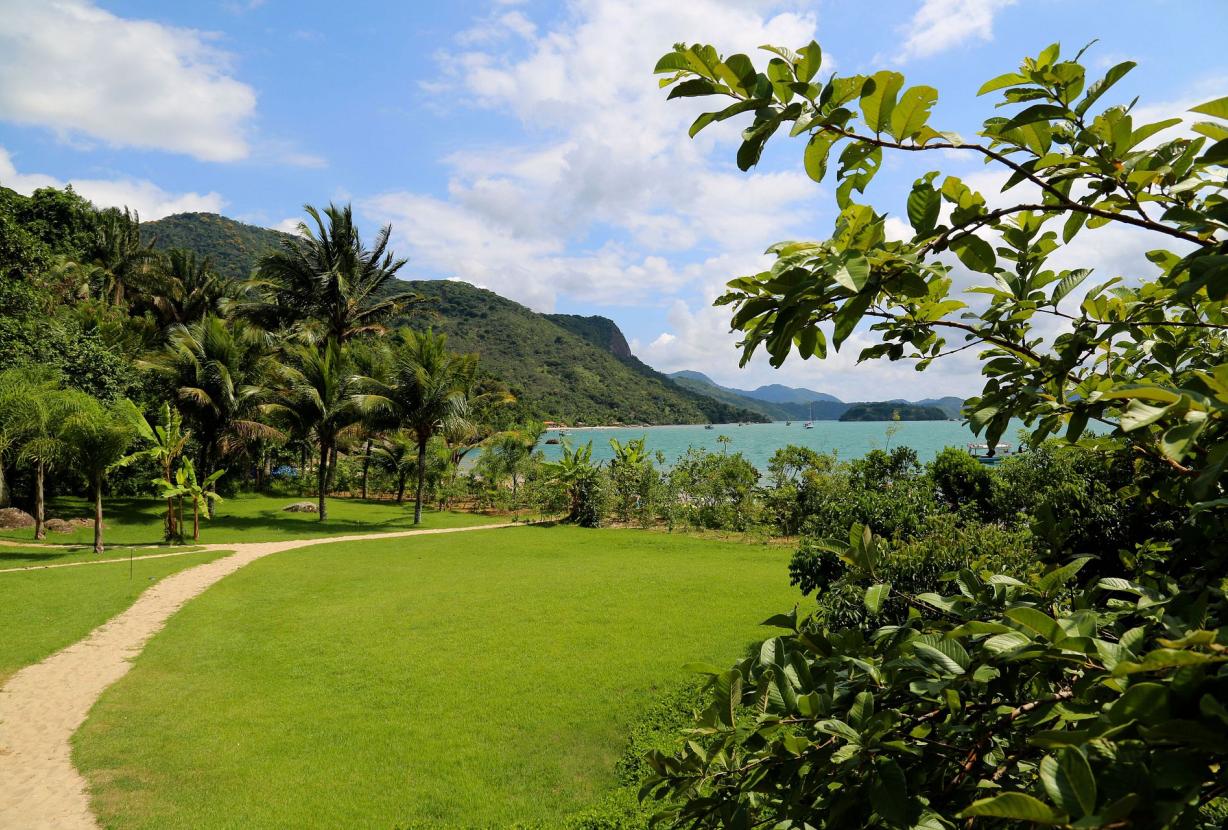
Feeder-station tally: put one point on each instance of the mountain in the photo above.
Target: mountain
(776, 393)
(700, 383)
(561, 367)
(892, 411)
(600, 331)
(233, 246)
(559, 374)
(783, 403)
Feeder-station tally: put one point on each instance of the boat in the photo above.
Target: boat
(707, 426)
(788, 423)
(552, 440)
(810, 424)
(987, 455)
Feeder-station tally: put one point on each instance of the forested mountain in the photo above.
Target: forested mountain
(562, 367)
(233, 246)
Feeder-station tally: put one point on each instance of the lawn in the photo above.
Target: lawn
(42, 611)
(468, 680)
(246, 518)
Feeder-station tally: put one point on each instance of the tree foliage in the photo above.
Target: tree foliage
(1078, 697)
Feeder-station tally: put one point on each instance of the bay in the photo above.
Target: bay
(757, 442)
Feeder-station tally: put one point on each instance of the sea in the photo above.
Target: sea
(757, 442)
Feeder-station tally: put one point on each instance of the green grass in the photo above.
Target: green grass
(40, 556)
(468, 680)
(246, 518)
(43, 611)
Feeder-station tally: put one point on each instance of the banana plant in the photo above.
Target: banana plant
(185, 485)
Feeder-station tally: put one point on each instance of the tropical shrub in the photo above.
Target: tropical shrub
(714, 490)
(961, 482)
(1066, 701)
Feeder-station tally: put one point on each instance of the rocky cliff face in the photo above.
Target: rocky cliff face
(600, 331)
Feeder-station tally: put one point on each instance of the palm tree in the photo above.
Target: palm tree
(119, 253)
(186, 288)
(395, 455)
(168, 438)
(98, 436)
(325, 283)
(428, 392)
(512, 450)
(219, 370)
(39, 425)
(320, 392)
(373, 360)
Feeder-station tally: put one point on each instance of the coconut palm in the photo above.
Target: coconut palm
(219, 370)
(326, 283)
(122, 258)
(185, 288)
(396, 456)
(98, 437)
(427, 393)
(320, 392)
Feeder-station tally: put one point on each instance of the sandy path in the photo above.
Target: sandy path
(42, 705)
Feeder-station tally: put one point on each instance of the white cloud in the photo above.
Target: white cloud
(940, 25)
(142, 195)
(81, 71)
(607, 199)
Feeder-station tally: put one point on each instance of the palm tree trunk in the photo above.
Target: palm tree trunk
(179, 528)
(40, 474)
(322, 478)
(5, 498)
(303, 472)
(98, 512)
(332, 467)
(421, 481)
(401, 487)
(366, 466)
(195, 519)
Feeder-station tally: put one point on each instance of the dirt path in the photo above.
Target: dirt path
(42, 705)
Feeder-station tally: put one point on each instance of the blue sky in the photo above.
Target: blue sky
(524, 146)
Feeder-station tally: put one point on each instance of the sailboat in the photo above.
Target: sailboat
(810, 424)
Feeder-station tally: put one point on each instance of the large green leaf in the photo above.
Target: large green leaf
(1019, 806)
(1102, 86)
(912, 111)
(1068, 780)
(878, 99)
(876, 595)
(924, 205)
(1217, 108)
(817, 150)
(975, 253)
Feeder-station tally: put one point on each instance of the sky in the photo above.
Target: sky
(525, 147)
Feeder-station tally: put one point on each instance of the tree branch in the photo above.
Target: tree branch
(1063, 200)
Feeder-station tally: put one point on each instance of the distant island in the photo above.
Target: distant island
(784, 403)
(889, 411)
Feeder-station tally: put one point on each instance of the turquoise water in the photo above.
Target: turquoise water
(758, 441)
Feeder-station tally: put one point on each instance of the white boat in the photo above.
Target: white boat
(810, 424)
(987, 455)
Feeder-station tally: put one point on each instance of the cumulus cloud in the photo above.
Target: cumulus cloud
(81, 71)
(607, 199)
(142, 195)
(940, 25)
